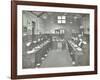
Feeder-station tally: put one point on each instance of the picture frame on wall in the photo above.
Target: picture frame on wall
(53, 39)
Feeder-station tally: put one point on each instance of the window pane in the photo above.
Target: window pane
(61, 31)
(59, 17)
(59, 21)
(63, 17)
(63, 21)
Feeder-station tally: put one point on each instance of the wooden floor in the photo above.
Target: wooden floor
(57, 58)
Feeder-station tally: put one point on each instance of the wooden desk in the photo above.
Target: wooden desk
(40, 53)
(75, 52)
(33, 56)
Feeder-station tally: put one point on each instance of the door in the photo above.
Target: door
(33, 29)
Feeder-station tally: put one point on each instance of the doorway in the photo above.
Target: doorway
(33, 29)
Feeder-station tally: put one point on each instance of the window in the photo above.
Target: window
(61, 19)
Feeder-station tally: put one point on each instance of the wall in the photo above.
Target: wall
(50, 24)
(5, 41)
(85, 24)
(28, 17)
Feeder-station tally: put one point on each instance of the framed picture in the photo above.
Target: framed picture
(53, 39)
